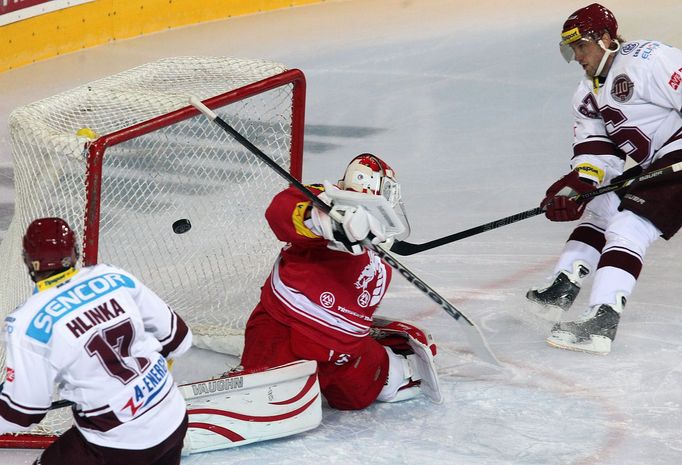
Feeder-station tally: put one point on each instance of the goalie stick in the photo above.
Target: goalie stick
(407, 248)
(476, 339)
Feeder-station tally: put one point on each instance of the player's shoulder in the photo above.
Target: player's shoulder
(642, 53)
(314, 188)
(318, 186)
(88, 281)
(104, 269)
(293, 193)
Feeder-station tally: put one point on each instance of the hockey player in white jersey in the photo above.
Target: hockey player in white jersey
(103, 339)
(628, 120)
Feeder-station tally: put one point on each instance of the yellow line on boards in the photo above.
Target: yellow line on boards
(95, 23)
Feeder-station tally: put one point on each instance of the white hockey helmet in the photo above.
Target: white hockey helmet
(370, 174)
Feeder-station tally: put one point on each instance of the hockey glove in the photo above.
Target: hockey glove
(355, 225)
(558, 204)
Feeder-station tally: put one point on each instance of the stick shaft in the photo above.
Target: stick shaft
(478, 342)
(408, 248)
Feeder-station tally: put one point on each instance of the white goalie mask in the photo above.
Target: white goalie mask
(369, 174)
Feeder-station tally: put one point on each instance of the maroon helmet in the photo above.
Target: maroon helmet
(588, 23)
(49, 245)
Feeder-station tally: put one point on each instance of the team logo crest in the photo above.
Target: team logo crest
(622, 88)
(364, 299)
(327, 299)
(367, 275)
(342, 359)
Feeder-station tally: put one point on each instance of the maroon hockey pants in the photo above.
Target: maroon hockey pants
(71, 448)
(348, 381)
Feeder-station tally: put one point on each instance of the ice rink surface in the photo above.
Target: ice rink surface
(469, 101)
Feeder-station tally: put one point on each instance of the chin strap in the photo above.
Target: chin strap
(604, 59)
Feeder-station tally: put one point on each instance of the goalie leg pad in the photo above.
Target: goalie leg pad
(410, 350)
(425, 370)
(400, 384)
(395, 334)
(246, 407)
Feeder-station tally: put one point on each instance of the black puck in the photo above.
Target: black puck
(181, 226)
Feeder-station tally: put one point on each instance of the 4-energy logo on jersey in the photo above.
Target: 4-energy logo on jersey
(153, 383)
(622, 88)
(72, 299)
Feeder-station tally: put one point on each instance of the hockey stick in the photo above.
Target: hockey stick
(475, 337)
(57, 404)
(407, 248)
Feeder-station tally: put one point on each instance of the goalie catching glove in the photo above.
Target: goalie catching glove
(355, 224)
(558, 202)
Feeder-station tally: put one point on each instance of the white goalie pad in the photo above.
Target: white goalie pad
(422, 347)
(242, 408)
(377, 205)
(425, 370)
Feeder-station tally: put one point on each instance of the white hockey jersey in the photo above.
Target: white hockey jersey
(635, 112)
(100, 336)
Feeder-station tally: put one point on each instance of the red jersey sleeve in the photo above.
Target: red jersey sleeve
(287, 213)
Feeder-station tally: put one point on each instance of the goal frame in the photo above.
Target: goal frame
(96, 153)
(97, 149)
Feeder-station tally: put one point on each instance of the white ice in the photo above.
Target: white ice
(469, 101)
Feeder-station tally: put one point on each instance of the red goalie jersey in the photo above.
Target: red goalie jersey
(317, 290)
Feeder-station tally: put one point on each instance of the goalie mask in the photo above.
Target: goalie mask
(588, 23)
(49, 245)
(370, 174)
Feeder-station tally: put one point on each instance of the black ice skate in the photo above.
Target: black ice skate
(593, 332)
(563, 291)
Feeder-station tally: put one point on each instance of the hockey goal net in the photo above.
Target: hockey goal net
(122, 158)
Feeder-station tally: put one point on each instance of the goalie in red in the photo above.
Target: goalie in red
(103, 338)
(318, 303)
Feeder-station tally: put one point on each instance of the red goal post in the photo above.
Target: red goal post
(123, 158)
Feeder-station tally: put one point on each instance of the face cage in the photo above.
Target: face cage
(377, 184)
(390, 190)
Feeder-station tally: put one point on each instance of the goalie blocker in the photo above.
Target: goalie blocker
(244, 407)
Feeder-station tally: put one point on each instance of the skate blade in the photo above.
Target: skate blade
(597, 345)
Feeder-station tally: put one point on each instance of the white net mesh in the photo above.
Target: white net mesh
(167, 171)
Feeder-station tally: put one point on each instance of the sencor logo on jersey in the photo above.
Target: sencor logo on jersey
(622, 88)
(72, 299)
